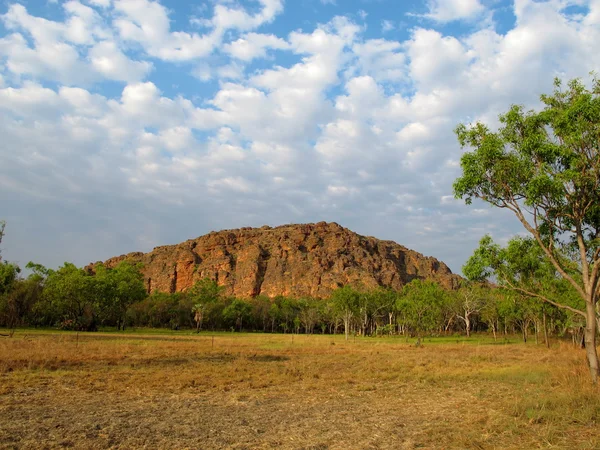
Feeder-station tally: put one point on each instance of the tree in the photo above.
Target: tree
(490, 310)
(544, 167)
(203, 293)
(9, 274)
(470, 300)
(71, 294)
(382, 303)
(2, 226)
(346, 302)
(261, 305)
(117, 289)
(9, 310)
(237, 311)
(309, 313)
(421, 304)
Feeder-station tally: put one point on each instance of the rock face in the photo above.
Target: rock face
(290, 260)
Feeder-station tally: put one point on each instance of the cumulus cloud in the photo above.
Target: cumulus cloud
(329, 122)
(57, 47)
(147, 23)
(450, 10)
(253, 45)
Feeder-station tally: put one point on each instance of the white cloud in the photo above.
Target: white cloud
(346, 126)
(107, 59)
(383, 60)
(206, 71)
(387, 25)
(56, 53)
(147, 23)
(100, 3)
(436, 60)
(253, 45)
(450, 10)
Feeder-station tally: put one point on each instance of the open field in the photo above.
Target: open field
(179, 390)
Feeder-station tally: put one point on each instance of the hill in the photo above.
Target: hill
(290, 260)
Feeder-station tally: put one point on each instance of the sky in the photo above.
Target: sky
(128, 124)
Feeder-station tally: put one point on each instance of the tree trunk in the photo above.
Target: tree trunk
(590, 341)
(546, 341)
(468, 325)
(346, 326)
(494, 331)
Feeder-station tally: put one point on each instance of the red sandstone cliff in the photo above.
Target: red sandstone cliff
(290, 260)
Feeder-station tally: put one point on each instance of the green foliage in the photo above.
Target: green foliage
(236, 312)
(205, 291)
(202, 295)
(72, 297)
(2, 227)
(420, 305)
(346, 303)
(9, 277)
(117, 289)
(546, 160)
(544, 167)
(523, 266)
(346, 300)
(9, 274)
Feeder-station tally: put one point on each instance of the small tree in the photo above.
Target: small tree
(10, 313)
(346, 302)
(544, 167)
(490, 311)
(421, 303)
(470, 300)
(71, 294)
(117, 289)
(2, 226)
(309, 313)
(237, 311)
(383, 307)
(202, 294)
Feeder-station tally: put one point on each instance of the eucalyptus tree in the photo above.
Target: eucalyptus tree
(117, 289)
(309, 313)
(468, 303)
(420, 304)
(202, 294)
(346, 303)
(2, 227)
(237, 311)
(544, 167)
(9, 311)
(71, 295)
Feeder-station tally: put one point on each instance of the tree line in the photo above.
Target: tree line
(72, 298)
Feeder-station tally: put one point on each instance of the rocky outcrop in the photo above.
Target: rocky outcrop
(290, 260)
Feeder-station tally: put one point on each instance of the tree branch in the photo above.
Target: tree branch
(544, 298)
(549, 254)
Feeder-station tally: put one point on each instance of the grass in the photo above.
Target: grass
(231, 390)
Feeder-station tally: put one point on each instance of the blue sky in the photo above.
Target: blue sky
(129, 124)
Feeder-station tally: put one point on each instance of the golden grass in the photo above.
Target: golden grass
(265, 391)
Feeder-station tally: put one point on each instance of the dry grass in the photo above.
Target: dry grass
(265, 391)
